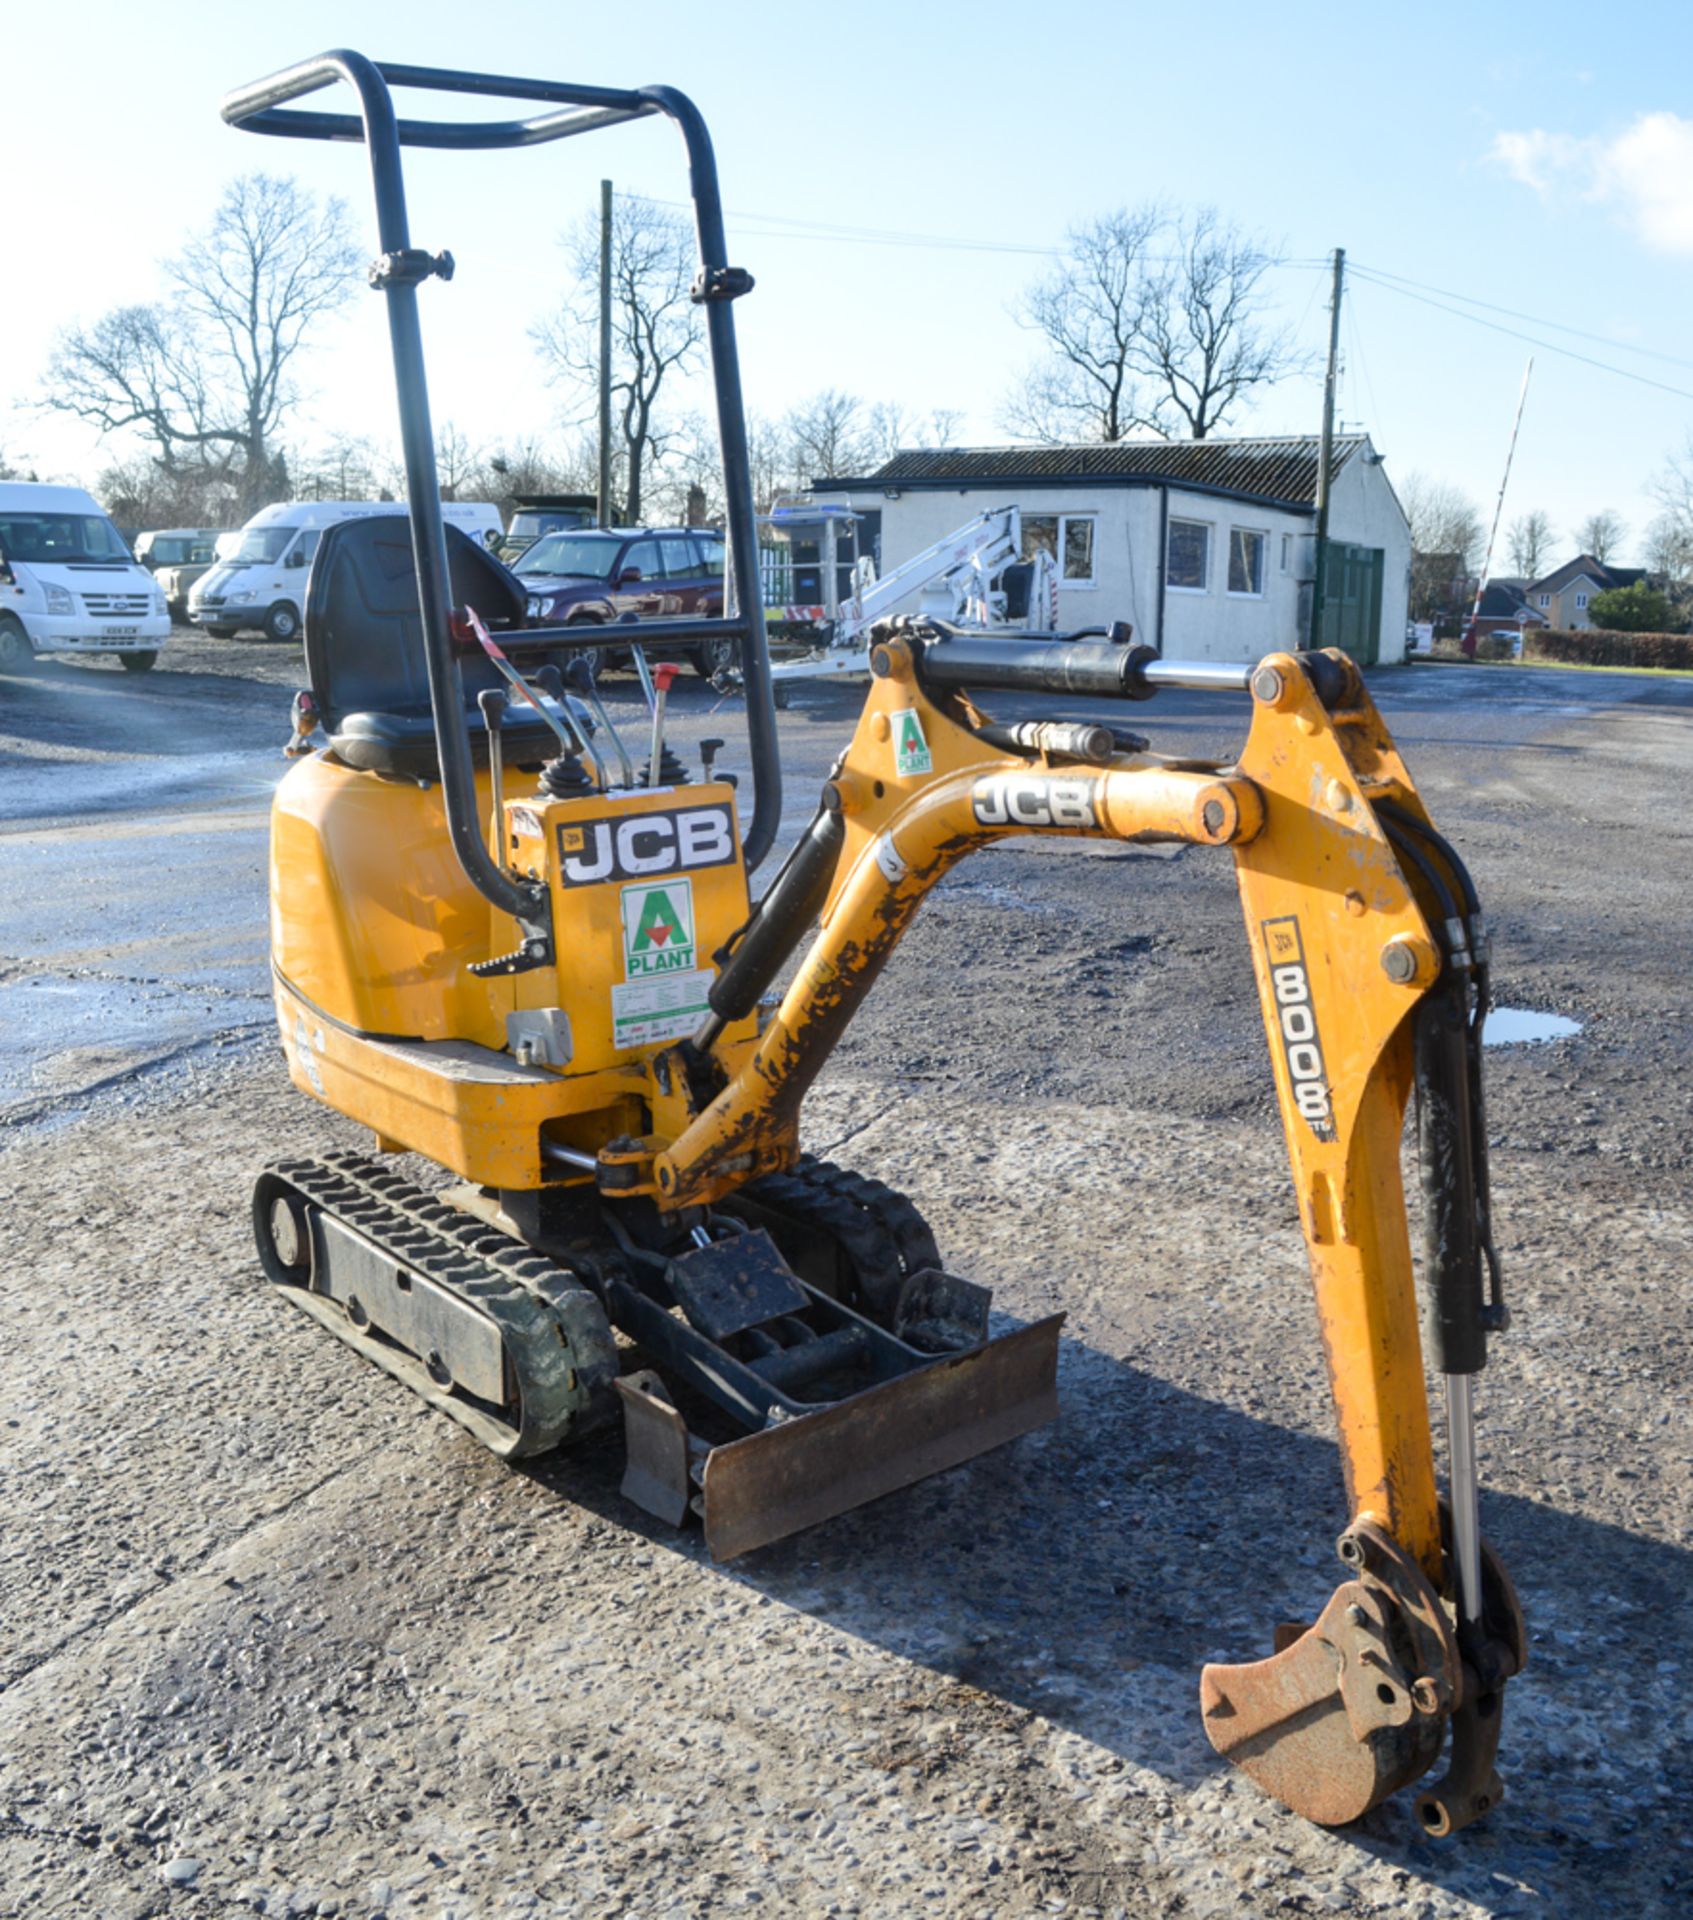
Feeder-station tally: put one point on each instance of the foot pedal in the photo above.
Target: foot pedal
(734, 1284)
(939, 1313)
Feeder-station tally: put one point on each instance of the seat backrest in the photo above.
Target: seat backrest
(364, 631)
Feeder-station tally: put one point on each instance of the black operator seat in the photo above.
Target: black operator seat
(365, 656)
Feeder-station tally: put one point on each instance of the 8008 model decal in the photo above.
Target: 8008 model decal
(1296, 1022)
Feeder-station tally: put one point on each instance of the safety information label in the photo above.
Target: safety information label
(646, 1012)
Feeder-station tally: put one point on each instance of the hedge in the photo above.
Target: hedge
(1597, 648)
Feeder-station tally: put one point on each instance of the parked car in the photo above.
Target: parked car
(176, 557)
(262, 584)
(68, 584)
(588, 578)
(534, 514)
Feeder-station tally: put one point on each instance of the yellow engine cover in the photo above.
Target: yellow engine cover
(375, 929)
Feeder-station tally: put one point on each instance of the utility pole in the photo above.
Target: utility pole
(1325, 456)
(1470, 635)
(604, 509)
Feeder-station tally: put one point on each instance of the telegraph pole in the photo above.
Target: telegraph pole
(604, 509)
(1325, 455)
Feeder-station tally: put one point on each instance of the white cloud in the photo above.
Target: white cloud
(1540, 160)
(1645, 173)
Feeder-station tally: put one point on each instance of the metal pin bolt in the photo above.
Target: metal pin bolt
(1267, 686)
(1356, 1616)
(1399, 962)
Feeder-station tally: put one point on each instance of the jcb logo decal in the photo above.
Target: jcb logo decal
(1296, 1021)
(636, 845)
(1033, 800)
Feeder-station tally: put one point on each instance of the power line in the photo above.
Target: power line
(1534, 319)
(1546, 346)
(777, 226)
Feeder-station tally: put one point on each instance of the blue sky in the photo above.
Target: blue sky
(1509, 152)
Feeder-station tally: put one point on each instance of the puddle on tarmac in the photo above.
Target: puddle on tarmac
(1518, 1027)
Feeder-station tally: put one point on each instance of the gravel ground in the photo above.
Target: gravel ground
(275, 1639)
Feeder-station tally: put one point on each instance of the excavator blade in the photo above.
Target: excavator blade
(1355, 1707)
(803, 1469)
(798, 1472)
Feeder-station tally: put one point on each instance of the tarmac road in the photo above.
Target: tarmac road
(273, 1638)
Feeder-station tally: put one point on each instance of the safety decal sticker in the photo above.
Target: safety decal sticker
(664, 997)
(1296, 1022)
(911, 749)
(646, 1013)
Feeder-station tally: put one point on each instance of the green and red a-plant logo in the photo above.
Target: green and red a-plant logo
(658, 929)
(911, 750)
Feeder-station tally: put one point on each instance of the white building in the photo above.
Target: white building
(1205, 546)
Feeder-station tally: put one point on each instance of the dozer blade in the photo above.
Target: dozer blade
(799, 1471)
(1352, 1709)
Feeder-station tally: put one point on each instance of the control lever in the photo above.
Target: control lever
(551, 682)
(467, 624)
(579, 677)
(643, 672)
(493, 705)
(665, 672)
(709, 750)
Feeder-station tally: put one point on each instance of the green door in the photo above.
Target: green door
(1352, 601)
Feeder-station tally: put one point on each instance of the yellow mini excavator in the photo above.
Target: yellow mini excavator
(500, 945)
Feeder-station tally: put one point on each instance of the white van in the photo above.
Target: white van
(262, 583)
(68, 584)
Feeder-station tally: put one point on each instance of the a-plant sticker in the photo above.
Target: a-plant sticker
(664, 997)
(911, 750)
(658, 929)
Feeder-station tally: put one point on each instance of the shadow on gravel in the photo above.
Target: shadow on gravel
(1086, 1573)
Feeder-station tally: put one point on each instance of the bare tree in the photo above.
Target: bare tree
(1154, 320)
(1530, 540)
(656, 331)
(1089, 311)
(1201, 342)
(1600, 535)
(346, 467)
(944, 423)
(1668, 554)
(206, 373)
(828, 436)
(458, 463)
(1446, 537)
(141, 492)
(529, 468)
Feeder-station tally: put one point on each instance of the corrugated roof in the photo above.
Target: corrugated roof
(1280, 470)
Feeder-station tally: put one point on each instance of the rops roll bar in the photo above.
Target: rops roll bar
(258, 108)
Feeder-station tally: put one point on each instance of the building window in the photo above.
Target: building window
(1581, 599)
(1246, 561)
(1287, 551)
(1546, 599)
(1187, 564)
(1068, 537)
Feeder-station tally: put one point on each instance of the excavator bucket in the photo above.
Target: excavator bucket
(807, 1468)
(1332, 1723)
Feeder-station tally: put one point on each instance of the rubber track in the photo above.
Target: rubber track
(884, 1235)
(552, 1328)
